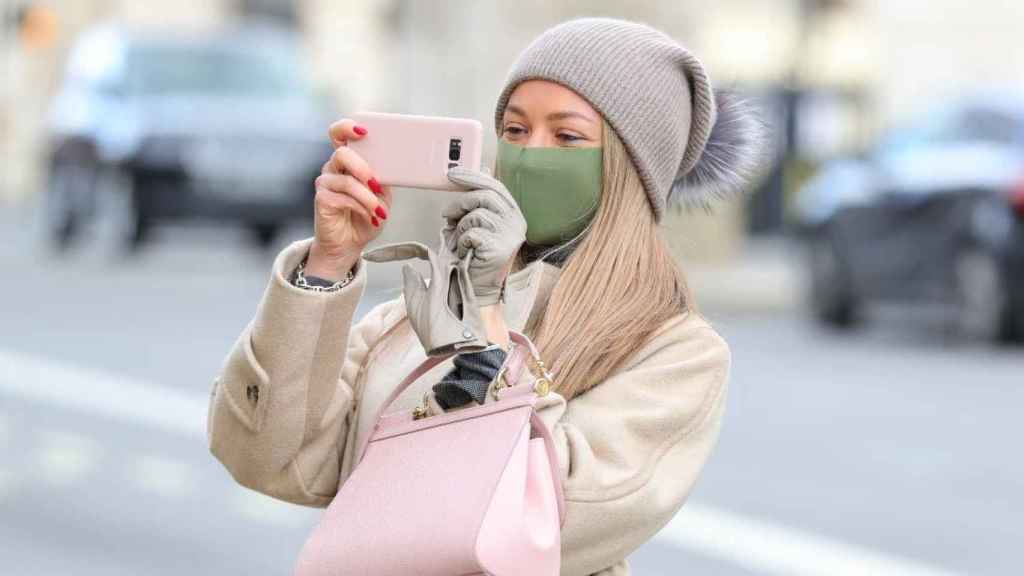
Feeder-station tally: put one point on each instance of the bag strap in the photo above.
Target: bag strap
(420, 370)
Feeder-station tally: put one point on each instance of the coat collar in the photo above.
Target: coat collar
(527, 292)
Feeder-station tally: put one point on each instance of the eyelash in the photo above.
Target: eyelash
(565, 137)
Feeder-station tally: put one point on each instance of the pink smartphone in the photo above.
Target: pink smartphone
(417, 151)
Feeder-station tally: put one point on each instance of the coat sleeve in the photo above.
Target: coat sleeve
(631, 448)
(280, 406)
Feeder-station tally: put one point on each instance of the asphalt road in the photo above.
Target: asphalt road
(889, 450)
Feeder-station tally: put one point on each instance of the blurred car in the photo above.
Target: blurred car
(222, 127)
(934, 213)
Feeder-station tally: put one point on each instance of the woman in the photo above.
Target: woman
(602, 125)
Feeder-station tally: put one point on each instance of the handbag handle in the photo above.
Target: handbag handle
(422, 369)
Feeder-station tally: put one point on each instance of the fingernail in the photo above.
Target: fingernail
(375, 221)
(374, 185)
(359, 130)
(380, 211)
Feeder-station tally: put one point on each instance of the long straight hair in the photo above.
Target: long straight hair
(618, 286)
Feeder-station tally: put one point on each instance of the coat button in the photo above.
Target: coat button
(467, 334)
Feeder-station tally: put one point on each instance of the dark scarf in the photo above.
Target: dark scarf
(474, 371)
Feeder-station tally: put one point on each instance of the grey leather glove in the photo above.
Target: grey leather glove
(444, 314)
(488, 221)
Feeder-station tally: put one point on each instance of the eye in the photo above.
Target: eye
(514, 131)
(566, 137)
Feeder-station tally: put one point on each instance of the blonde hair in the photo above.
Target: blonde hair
(615, 290)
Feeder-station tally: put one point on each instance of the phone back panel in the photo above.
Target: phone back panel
(417, 151)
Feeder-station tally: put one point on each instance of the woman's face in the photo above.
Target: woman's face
(543, 113)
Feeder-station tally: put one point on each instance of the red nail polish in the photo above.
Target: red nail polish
(374, 186)
(359, 130)
(375, 221)
(380, 211)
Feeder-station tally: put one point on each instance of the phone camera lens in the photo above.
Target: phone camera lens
(454, 149)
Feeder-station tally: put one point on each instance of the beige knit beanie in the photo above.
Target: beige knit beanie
(689, 143)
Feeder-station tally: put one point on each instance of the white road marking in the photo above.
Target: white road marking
(64, 458)
(757, 545)
(163, 476)
(768, 548)
(104, 394)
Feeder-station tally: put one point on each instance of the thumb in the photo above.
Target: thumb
(471, 179)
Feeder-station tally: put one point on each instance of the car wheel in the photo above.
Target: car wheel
(64, 204)
(124, 223)
(832, 298)
(982, 301)
(263, 235)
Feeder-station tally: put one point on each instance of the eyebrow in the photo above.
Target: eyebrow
(552, 116)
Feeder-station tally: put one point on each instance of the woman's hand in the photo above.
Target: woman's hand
(350, 206)
(488, 220)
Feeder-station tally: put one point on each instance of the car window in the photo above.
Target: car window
(183, 68)
(952, 125)
(990, 125)
(930, 129)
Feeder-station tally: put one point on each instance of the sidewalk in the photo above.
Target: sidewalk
(767, 276)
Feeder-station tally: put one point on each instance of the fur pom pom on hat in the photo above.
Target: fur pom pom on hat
(689, 143)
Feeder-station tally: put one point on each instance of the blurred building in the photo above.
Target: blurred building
(856, 65)
(34, 41)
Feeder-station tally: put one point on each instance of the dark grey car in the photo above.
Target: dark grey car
(933, 214)
(220, 127)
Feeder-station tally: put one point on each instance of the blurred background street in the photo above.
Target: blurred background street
(894, 441)
(155, 157)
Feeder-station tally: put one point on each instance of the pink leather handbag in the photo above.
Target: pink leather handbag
(472, 491)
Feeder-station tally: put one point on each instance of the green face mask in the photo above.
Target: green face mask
(558, 189)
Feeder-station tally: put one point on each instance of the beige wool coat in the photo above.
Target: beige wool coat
(297, 392)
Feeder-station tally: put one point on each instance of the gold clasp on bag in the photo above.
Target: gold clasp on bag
(421, 411)
(500, 382)
(541, 384)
